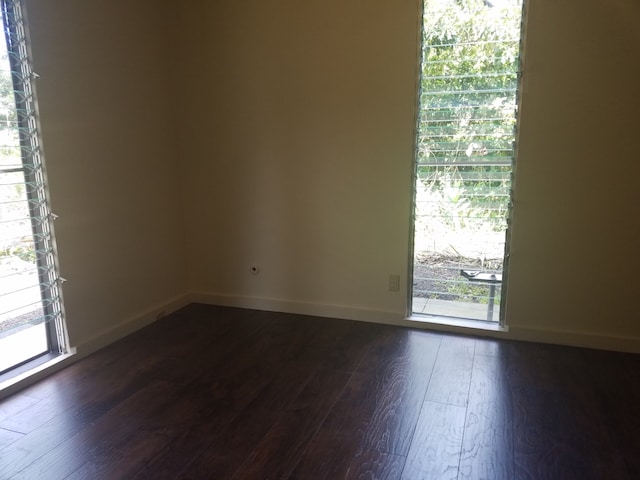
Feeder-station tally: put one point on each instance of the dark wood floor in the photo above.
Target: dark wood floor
(219, 393)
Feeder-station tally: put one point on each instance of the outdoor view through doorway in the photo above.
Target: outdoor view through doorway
(465, 152)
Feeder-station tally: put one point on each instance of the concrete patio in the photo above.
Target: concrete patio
(446, 308)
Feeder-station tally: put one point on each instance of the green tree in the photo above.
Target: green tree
(468, 100)
(7, 100)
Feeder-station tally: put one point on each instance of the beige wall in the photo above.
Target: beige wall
(575, 257)
(302, 155)
(290, 125)
(108, 128)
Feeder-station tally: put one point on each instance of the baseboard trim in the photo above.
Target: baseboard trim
(136, 322)
(532, 334)
(132, 324)
(300, 308)
(575, 339)
(509, 332)
(113, 334)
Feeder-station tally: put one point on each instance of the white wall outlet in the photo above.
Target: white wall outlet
(394, 283)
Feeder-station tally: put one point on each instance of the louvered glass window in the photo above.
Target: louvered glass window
(465, 153)
(31, 317)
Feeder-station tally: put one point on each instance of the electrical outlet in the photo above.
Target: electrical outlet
(394, 283)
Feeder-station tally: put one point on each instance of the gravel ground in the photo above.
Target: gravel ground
(438, 276)
(15, 324)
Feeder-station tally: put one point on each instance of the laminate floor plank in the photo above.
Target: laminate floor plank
(218, 392)
(333, 456)
(385, 403)
(452, 371)
(7, 437)
(15, 404)
(97, 438)
(557, 431)
(374, 465)
(225, 450)
(221, 433)
(609, 396)
(236, 383)
(378, 409)
(437, 443)
(265, 389)
(131, 354)
(82, 403)
(115, 361)
(489, 347)
(338, 345)
(541, 450)
(279, 451)
(185, 362)
(487, 448)
(230, 385)
(35, 415)
(226, 434)
(146, 431)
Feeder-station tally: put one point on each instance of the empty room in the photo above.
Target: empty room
(354, 239)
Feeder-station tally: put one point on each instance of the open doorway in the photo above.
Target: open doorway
(465, 153)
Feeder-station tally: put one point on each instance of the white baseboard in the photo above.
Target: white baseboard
(512, 332)
(529, 334)
(602, 341)
(136, 322)
(300, 308)
(92, 345)
(130, 325)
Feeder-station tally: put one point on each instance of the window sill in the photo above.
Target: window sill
(457, 323)
(33, 371)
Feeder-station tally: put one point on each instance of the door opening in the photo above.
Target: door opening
(465, 154)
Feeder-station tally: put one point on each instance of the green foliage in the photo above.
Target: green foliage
(24, 252)
(7, 98)
(468, 101)
(27, 254)
(466, 292)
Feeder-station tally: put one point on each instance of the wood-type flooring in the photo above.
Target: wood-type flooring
(222, 393)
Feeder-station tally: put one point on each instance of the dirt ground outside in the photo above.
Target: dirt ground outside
(437, 276)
